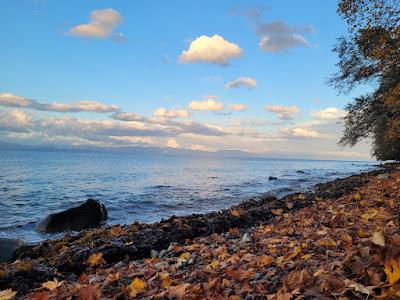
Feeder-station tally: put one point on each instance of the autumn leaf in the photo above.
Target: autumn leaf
(378, 238)
(40, 295)
(178, 291)
(89, 292)
(52, 285)
(265, 260)
(277, 212)
(136, 287)
(7, 294)
(236, 212)
(357, 196)
(94, 258)
(392, 270)
(183, 257)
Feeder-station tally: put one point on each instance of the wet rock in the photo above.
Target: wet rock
(272, 178)
(153, 253)
(8, 247)
(87, 215)
(245, 239)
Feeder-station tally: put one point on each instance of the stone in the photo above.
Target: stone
(272, 178)
(8, 247)
(90, 214)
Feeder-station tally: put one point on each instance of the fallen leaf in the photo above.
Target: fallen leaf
(235, 212)
(378, 238)
(277, 212)
(52, 285)
(178, 291)
(358, 287)
(7, 294)
(94, 258)
(136, 287)
(392, 270)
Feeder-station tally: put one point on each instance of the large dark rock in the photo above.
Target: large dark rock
(7, 248)
(87, 215)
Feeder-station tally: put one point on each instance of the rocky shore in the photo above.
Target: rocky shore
(335, 240)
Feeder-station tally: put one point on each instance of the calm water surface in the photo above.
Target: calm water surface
(144, 188)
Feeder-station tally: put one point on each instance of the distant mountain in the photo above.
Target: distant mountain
(135, 150)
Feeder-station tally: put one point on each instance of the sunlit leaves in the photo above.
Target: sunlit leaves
(136, 287)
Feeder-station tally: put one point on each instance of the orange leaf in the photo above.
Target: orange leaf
(392, 270)
(94, 258)
(136, 287)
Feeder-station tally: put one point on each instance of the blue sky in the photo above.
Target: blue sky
(129, 55)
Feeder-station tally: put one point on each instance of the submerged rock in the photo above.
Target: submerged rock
(272, 178)
(87, 215)
(8, 247)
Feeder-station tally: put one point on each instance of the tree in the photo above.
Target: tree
(371, 54)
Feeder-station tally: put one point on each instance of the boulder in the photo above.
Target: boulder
(383, 176)
(272, 178)
(87, 215)
(8, 247)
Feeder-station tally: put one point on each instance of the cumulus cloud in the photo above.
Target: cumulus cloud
(247, 82)
(238, 107)
(214, 50)
(11, 100)
(172, 143)
(329, 113)
(102, 23)
(283, 112)
(15, 121)
(207, 104)
(278, 36)
(299, 132)
(171, 114)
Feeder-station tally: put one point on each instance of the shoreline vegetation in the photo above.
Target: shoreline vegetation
(339, 240)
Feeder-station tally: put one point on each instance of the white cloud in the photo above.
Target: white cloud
(299, 132)
(197, 147)
(283, 112)
(172, 143)
(278, 36)
(101, 24)
(247, 82)
(207, 104)
(15, 121)
(214, 50)
(329, 113)
(171, 114)
(11, 100)
(238, 107)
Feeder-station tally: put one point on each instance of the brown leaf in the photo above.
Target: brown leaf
(178, 291)
(52, 285)
(94, 258)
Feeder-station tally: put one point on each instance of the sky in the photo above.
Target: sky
(200, 75)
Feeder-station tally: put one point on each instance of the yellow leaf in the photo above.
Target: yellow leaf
(357, 196)
(52, 285)
(7, 294)
(378, 238)
(235, 212)
(136, 287)
(234, 297)
(306, 256)
(214, 264)
(296, 251)
(392, 270)
(277, 212)
(183, 257)
(94, 258)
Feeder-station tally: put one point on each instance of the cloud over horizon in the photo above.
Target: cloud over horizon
(213, 50)
(102, 23)
(11, 100)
